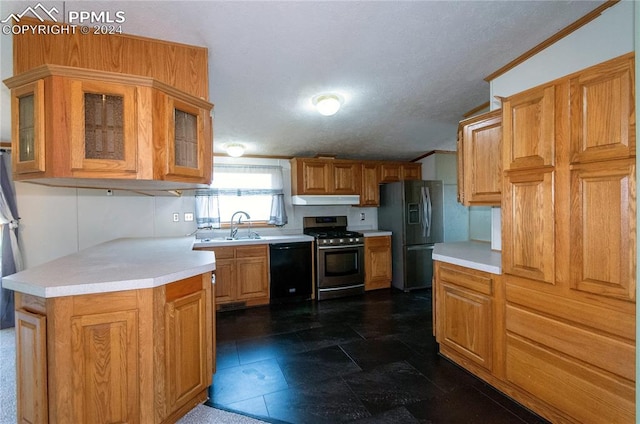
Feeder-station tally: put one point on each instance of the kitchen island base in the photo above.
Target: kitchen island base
(135, 356)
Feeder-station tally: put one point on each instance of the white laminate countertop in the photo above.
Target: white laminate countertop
(375, 233)
(219, 242)
(470, 254)
(121, 264)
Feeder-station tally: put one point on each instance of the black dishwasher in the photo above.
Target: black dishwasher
(291, 271)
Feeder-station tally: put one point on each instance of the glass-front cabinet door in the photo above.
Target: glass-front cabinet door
(104, 133)
(186, 139)
(28, 123)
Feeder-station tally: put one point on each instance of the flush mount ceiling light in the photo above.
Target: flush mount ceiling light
(234, 150)
(327, 104)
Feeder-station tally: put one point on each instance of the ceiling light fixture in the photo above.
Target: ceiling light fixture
(234, 150)
(327, 104)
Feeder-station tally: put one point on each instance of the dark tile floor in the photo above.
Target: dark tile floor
(364, 359)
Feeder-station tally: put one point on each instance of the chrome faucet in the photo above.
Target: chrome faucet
(234, 229)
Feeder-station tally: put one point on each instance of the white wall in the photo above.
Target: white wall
(58, 221)
(608, 36)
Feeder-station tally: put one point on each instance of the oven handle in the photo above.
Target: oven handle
(340, 288)
(346, 246)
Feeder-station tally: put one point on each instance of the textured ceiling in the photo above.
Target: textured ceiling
(408, 70)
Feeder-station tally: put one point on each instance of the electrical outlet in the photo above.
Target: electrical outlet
(361, 216)
(188, 216)
(176, 217)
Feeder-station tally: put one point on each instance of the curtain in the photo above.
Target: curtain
(207, 209)
(11, 255)
(278, 215)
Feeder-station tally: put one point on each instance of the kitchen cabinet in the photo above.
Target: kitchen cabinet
(27, 128)
(138, 356)
(465, 314)
(370, 189)
(480, 160)
(411, 171)
(569, 245)
(377, 262)
(82, 119)
(324, 176)
(108, 133)
(400, 171)
(242, 275)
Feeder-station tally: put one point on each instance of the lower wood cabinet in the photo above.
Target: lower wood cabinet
(377, 262)
(136, 356)
(464, 308)
(242, 275)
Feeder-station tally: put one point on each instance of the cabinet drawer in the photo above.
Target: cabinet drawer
(476, 281)
(251, 251)
(224, 252)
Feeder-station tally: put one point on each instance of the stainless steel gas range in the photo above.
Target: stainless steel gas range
(339, 256)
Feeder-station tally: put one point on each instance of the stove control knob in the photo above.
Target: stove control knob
(341, 241)
(330, 241)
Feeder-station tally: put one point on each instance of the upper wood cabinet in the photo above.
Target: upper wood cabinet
(82, 128)
(370, 189)
(400, 171)
(529, 127)
(136, 118)
(602, 112)
(27, 123)
(324, 176)
(480, 160)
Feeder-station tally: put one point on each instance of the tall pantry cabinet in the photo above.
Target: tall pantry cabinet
(569, 244)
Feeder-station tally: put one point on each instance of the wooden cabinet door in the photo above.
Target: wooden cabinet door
(528, 226)
(225, 287)
(188, 370)
(390, 172)
(188, 141)
(252, 278)
(466, 323)
(105, 355)
(603, 112)
(377, 262)
(104, 127)
(28, 124)
(482, 150)
(460, 175)
(370, 188)
(346, 178)
(411, 171)
(31, 368)
(315, 177)
(528, 125)
(603, 236)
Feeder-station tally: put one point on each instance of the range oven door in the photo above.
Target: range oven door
(340, 266)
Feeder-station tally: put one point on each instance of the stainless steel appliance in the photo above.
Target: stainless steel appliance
(339, 256)
(291, 271)
(413, 211)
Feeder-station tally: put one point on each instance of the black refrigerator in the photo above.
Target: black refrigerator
(413, 211)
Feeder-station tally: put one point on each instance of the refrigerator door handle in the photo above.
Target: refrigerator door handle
(426, 211)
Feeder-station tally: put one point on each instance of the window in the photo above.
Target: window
(256, 190)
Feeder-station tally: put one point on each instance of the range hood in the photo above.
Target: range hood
(325, 200)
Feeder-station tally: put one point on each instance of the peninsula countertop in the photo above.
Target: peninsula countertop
(470, 254)
(121, 264)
